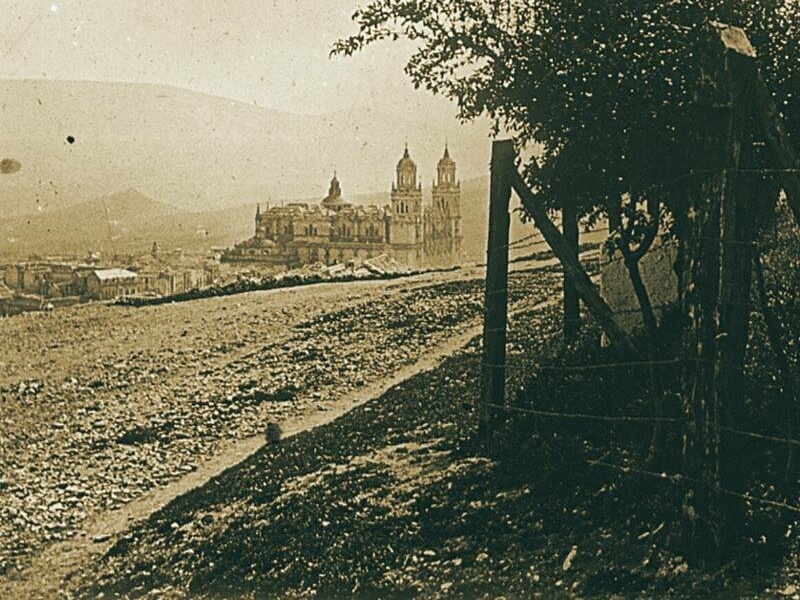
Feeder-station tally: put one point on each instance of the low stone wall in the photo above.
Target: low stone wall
(659, 278)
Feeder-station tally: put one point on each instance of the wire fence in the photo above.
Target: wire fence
(517, 364)
(605, 418)
(678, 478)
(648, 420)
(526, 364)
(717, 331)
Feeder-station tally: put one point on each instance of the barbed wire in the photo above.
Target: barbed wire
(595, 367)
(517, 362)
(680, 478)
(530, 245)
(519, 241)
(625, 311)
(528, 364)
(774, 503)
(703, 237)
(761, 436)
(583, 416)
(663, 476)
(629, 419)
(695, 172)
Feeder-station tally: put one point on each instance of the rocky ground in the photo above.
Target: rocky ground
(99, 404)
(396, 500)
(344, 510)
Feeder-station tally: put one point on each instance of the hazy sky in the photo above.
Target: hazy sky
(270, 52)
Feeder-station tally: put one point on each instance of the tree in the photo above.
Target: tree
(609, 84)
(627, 100)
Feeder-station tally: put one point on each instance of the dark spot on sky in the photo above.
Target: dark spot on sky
(70, 139)
(9, 166)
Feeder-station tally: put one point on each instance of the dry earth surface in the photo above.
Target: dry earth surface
(395, 499)
(107, 408)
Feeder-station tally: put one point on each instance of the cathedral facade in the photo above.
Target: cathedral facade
(336, 231)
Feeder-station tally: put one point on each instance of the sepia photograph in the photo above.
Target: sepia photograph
(399, 299)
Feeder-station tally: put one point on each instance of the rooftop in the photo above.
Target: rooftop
(106, 274)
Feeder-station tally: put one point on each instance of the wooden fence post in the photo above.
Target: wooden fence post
(496, 307)
(737, 238)
(715, 278)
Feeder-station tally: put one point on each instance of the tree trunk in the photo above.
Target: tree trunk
(655, 455)
(632, 257)
(572, 309)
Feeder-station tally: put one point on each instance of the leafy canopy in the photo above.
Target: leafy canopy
(605, 88)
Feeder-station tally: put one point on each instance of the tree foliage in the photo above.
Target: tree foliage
(605, 89)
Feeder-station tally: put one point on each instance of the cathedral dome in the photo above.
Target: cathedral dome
(446, 161)
(334, 198)
(406, 172)
(406, 163)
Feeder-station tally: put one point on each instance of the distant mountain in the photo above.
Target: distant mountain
(130, 221)
(125, 222)
(81, 140)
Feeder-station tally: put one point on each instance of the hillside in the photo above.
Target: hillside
(202, 152)
(397, 499)
(128, 221)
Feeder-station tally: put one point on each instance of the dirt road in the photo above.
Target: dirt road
(110, 412)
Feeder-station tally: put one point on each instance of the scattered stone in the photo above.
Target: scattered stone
(789, 590)
(567, 564)
(128, 404)
(273, 433)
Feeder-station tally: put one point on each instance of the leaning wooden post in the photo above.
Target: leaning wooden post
(572, 307)
(783, 153)
(496, 308)
(583, 284)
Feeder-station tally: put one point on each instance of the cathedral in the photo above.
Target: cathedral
(336, 231)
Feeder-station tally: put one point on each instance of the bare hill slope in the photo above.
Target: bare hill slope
(202, 152)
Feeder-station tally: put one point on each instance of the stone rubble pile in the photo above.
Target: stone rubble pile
(380, 267)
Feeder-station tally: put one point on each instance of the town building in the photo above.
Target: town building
(337, 231)
(47, 279)
(166, 281)
(106, 284)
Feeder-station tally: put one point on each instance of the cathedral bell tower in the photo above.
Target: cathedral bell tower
(446, 170)
(406, 233)
(260, 231)
(446, 208)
